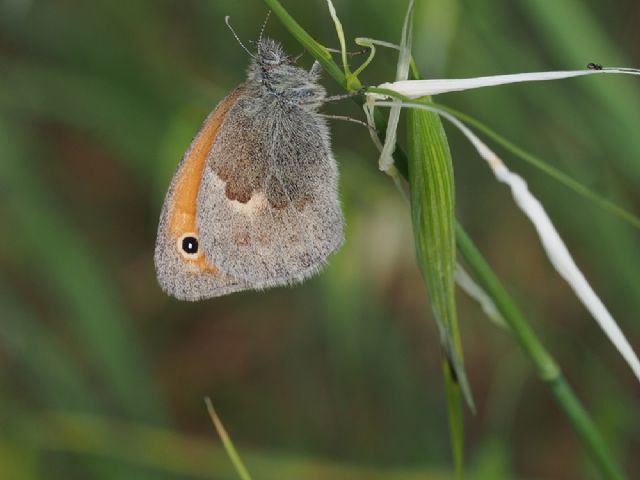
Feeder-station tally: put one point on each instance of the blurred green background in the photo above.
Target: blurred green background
(103, 376)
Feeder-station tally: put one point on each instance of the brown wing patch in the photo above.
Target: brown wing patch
(182, 212)
(245, 174)
(274, 155)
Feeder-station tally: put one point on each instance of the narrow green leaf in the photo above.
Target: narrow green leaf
(456, 425)
(544, 364)
(432, 211)
(232, 453)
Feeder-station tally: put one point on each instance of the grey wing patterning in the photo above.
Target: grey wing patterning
(268, 210)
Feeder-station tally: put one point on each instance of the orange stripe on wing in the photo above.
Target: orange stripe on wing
(182, 215)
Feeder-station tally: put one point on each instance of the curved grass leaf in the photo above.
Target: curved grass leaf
(227, 443)
(432, 213)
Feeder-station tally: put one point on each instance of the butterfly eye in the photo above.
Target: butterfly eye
(188, 246)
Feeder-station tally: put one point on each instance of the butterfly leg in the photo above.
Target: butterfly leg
(351, 54)
(344, 96)
(348, 119)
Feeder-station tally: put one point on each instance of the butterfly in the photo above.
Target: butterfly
(254, 201)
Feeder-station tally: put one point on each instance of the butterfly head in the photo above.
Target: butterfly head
(280, 77)
(270, 54)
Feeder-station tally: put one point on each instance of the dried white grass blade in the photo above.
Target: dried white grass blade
(368, 108)
(402, 72)
(553, 245)
(475, 291)
(632, 71)
(421, 88)
(563, 262)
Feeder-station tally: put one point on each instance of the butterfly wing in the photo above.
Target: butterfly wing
(189, 274)
(268, 212)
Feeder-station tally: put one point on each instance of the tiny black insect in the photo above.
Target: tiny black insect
(594, 66)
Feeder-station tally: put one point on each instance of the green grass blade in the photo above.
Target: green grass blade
(456, 418)
(432, 211)
(242, 471)
(546, 367)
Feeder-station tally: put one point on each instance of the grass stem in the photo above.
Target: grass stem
(543, 363)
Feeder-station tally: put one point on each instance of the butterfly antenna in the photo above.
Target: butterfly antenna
(226, 20)
(264, 25)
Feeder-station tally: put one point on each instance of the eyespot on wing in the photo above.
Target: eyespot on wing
(186, 273)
